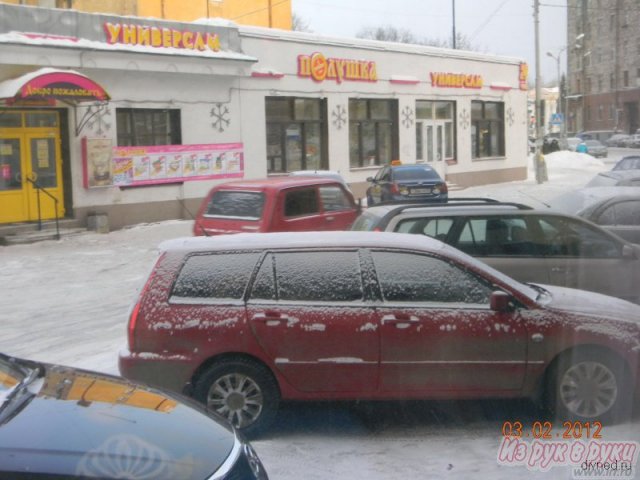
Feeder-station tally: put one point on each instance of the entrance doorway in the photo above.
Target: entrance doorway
(433, 144)
(30, 159)
(632, 116)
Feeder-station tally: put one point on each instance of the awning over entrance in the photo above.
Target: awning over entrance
(52, 84)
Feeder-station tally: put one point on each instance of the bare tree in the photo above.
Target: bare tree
(462, 42)
(299, 24)
(390, 33)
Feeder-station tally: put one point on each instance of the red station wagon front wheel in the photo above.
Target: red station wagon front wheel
(242, 391)
(590, 386)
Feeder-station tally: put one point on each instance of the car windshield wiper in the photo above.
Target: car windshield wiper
(542, 292)
(29, 375)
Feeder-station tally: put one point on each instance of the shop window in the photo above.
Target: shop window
(296, 134)
(487, 129)
(373, 132)
(435, 131)
(148, 126)
(41, 119)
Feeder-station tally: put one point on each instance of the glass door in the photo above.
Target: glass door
(434, 135)
(44, 171)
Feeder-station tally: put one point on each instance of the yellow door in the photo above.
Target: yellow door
(30, 158)
(43, 175)
(13, 198)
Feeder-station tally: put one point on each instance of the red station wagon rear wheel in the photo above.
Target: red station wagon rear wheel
(242, 391)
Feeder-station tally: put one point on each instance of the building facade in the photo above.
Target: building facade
(137, 118)
(603, 68)
(550, 107)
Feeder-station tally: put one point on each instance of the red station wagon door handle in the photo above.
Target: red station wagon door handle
(269, 316)
(400, 320)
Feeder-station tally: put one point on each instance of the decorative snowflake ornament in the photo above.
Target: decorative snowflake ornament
(220, 115)
(511, 118)
(407, 117)
(339, 115)
(464, 119)
(99, 116)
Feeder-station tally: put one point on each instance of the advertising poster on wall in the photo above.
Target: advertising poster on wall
(150, 165)
(159, 167)
(174, 166)
(122, 170)
(140, 168)
(189, 165)
(97, 162)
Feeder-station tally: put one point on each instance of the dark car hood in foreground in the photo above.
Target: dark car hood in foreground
(591, 303)
(79, 423)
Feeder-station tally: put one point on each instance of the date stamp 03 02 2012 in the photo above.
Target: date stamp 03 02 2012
(576, 444)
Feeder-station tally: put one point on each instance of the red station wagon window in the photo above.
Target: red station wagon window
(319, 276)
(406, 277)
(221, 276)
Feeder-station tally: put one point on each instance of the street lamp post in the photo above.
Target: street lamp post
(563, 130)
(540, 166)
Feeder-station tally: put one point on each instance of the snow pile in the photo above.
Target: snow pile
(566, 171)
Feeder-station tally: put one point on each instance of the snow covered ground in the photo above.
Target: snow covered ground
(67, 302)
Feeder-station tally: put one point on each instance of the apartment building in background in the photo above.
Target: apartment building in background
(603, 56)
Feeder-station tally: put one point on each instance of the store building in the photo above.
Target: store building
(137, 118)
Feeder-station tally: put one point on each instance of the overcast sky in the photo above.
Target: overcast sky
(503, 27)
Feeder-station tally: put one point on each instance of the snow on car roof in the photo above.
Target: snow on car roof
(277, 182)
(248, 241)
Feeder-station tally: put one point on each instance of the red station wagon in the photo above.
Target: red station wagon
(278, 204)
(240, 322)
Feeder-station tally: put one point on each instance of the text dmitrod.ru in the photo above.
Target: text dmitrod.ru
(603, 470)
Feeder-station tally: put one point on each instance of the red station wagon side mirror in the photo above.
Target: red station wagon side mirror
(500, 301)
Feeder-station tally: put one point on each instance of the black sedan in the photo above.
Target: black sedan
(413, 182)
(60, 422)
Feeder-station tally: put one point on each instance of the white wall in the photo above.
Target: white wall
(278, 52)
